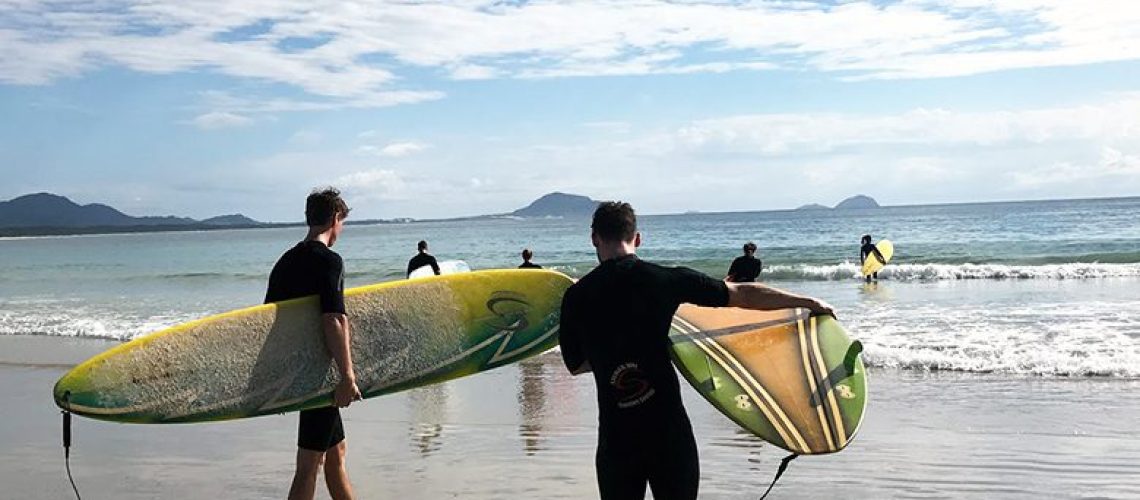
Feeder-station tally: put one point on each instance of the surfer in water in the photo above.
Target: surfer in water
(527, 264)
(311, 268)
(423, 258)
(745, 268)
(866, 250)
(615, 323)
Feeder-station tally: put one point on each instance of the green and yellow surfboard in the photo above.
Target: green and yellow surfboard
(271, 358)
(791, 378)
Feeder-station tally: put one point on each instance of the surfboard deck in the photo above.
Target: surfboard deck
(872, 264)
(271, 358)
(792, 379)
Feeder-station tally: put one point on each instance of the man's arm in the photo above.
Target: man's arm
(435, 266)
(764, 297)
(339, 343)
(573, 355)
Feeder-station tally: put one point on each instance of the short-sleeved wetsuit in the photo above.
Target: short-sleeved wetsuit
(617, 318)
(745, 269)
(421, 260)
(311, 268)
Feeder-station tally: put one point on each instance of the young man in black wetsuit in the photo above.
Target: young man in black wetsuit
(311, 268)
(746, 268)
(527, 264)
(615, 322)
(865, 250)
(423, 258)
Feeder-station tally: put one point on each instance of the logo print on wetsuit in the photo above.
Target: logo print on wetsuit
(631, 385)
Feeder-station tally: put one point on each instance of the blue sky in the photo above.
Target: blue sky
(438, 109)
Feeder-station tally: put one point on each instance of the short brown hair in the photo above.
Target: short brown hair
(614, 221)
(323, 205)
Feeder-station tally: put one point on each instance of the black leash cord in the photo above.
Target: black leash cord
(779, 472)
(67, 440)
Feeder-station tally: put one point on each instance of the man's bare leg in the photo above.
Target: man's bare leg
(305, 477)
(336, 475)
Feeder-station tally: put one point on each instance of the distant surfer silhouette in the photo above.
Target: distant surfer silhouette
(866, 250)
(421, 259)
(527, 264)
(745, 268)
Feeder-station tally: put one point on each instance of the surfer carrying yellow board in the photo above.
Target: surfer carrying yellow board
(615, 323)
(867, 249)
(311, 268)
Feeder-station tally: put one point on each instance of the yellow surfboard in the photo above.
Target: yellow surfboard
(872, 264)
(271, 358)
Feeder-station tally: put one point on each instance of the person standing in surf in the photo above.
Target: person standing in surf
(746, 268)
(615, 323)
(312, 268)
(866, 249)
(527, 264)
(421, 259)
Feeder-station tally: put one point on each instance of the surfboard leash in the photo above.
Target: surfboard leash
(779, 472)
(66, 411)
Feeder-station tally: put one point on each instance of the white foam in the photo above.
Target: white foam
(1052, 339)
(929, 272)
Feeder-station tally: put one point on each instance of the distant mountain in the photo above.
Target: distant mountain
(46, 210)
(857, 201)
(230, 220)
(814, 206)
(854, 202)
(558, 205)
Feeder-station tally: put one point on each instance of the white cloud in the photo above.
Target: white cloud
(1114, 166)
(379, 184)
(394, 150)
(359, 54)
(815, 133)
(219, 120)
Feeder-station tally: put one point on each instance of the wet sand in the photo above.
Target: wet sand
(528, 431)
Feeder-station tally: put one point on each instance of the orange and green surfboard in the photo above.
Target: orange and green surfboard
(789, 377)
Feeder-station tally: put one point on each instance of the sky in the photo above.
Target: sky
(445, 109)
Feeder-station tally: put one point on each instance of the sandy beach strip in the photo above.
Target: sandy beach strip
(528, 431)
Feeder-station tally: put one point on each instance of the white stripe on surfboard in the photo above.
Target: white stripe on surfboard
(756, 391)
(808, 373)
(841, 435)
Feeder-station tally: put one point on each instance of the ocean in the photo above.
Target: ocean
(1046, 288)
(1003, 347)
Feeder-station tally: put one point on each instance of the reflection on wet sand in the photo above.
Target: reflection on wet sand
(532, 403)
(429, 411)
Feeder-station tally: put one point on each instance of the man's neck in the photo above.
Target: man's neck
(318, 235)
(616, 251)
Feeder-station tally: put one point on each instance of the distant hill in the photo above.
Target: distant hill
(558, 205)
(230, 220)
(857, 201)
(814, 206)
(58, 215)
(854, 202)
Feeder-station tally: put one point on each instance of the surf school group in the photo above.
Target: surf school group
(614, 323)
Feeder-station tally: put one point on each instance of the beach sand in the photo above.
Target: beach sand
(528, 431)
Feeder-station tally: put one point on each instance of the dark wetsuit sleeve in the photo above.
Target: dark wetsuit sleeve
(734, 269)
(698, 288)
(331, 286)
(569, 336)
(434, 266)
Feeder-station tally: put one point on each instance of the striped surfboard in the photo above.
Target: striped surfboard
(791, 378)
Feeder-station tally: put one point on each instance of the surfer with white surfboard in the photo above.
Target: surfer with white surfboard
(615, 322)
